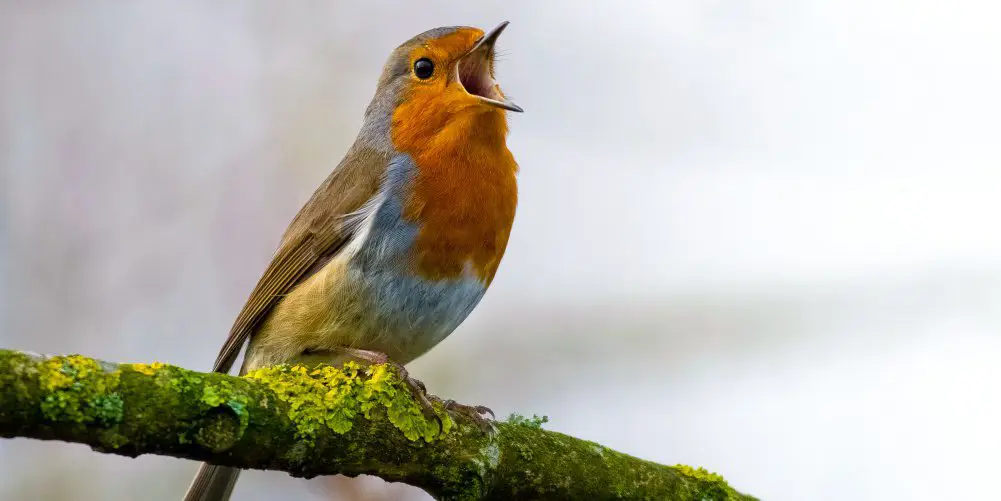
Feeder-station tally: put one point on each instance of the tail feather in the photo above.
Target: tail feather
(212, 483)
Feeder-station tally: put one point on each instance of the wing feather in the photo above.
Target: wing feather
(317, 233)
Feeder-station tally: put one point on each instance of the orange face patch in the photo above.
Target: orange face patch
(464, 192)
(448, 48)
(428, 104)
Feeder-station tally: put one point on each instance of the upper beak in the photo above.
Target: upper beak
(488, 40)
(476, 71)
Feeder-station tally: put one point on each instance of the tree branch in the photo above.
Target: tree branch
(325, 421)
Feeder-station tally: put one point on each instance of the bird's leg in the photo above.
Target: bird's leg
(479, 414)
(417, 388)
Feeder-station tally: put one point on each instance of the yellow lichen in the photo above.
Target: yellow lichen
(77, 389)
(147, 369)
(699, 473)
(333, 397)
(714, 485)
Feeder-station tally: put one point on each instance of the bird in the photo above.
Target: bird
(402, 239)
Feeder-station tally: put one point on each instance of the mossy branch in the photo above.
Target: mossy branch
(325, 421)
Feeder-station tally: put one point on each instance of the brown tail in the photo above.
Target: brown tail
(212, 483)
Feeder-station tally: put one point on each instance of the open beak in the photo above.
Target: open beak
(476, 72)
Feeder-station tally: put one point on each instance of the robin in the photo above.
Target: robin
(402, 239)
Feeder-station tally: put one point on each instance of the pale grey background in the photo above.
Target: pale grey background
(760, 237)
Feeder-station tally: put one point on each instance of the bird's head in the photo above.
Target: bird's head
(441, 80)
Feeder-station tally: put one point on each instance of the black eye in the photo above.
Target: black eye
(423, 68)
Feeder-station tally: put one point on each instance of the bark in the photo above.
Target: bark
(322, 421)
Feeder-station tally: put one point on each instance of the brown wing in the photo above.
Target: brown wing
(316, 234)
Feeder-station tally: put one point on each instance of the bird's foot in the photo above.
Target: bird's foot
(479, 414)
(416, 387)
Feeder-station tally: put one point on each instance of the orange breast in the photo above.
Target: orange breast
(464, 192)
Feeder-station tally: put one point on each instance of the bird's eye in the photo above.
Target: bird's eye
(423, 68)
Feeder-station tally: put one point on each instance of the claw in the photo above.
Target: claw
(416, 387)
(479, 414)
(420, 393)
(486, 410)
(420, 385)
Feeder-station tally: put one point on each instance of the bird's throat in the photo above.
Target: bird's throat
(463, 194)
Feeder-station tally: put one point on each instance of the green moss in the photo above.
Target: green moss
(112, 440)
(81, 400)
(217, 406)
(710, 485)
(108, 409)
(699, 473)
(219, 431)
(77, 389)
(488, 458)
(532, 422)
(220, 393)
(333, 398)
(182, 381)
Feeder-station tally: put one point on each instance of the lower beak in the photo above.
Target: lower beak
(476, 71)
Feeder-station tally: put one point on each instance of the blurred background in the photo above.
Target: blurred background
(759, 237)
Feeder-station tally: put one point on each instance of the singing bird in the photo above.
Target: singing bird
(402, 239)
